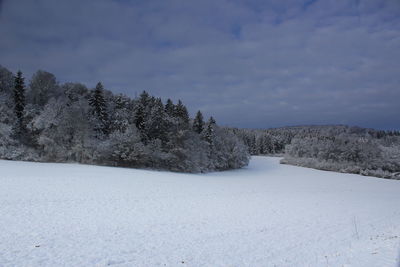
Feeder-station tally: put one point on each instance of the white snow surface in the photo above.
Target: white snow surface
(264, 215)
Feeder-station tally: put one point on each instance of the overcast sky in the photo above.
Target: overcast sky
(253, 63)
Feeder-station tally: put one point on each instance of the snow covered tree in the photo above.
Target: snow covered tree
(170, 107)
(209, 132)
(198, 123)
(74, 92)
(227, 151)
(189, 153)
(208, 135)
(141, 110)
(64, 131)
(19, 103)
(124, 148)
(122, 114)
(6, 81)
(99, 110)
(7, 114)
(43, 85)
(156, 125)
(181, 114)
(70, 123)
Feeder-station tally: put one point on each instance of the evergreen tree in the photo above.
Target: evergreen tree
(99, 109)
(120, 114)
(198, 123)
(140, 110)
(212, 121)
(6, 81)
(52, 128)
(170, 108)
(253, 145)
(6, 96)
(145, 99)
(182, 115)
(209, 133)
(19, 101)
(156, 126)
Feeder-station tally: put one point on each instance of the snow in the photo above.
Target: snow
(264, 215)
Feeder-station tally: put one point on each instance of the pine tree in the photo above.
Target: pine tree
(198, 123)
(209, 133)
(253, 145)
(46, 123)
(141, 110)
(120, 114)
(156, 125)
(182, 114)
(6, 81)
(212, 121)
(99, 109)
(19, 101)
(170, 107)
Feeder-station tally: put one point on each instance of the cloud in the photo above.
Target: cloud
(249, 63)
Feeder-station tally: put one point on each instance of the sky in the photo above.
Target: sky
(252, 64)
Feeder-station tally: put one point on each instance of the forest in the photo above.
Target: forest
(51, 122)
(338, 148)
(46, 121)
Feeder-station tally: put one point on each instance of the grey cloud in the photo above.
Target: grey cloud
(248, 63)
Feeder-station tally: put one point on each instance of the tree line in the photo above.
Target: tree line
(52, 122)
(333, 147)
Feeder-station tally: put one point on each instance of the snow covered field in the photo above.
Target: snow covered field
(264, 215)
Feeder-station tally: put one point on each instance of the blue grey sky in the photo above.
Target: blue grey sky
(254, 63)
